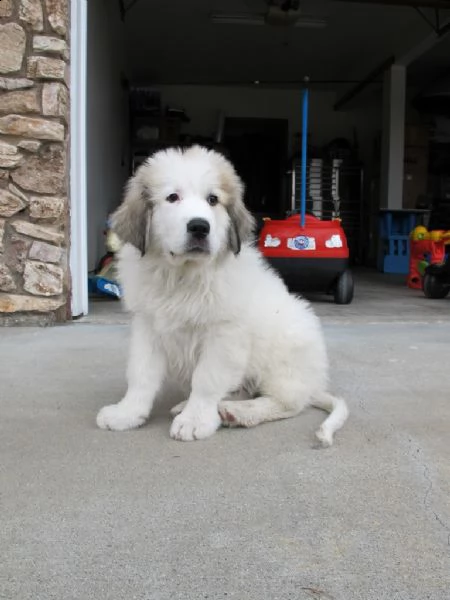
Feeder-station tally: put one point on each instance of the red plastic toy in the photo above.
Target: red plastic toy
(310, 254)
(423, 251)
(314, 257)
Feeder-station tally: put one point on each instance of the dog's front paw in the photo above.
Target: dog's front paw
(119, 418)
(188, 427)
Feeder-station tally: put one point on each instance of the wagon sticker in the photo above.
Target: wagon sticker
(301, 242)
(271, 242)
(335, 241)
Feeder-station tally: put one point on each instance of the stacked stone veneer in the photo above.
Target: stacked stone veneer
(34, 118)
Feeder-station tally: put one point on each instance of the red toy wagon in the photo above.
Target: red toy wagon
(313, 257)
(310, 253)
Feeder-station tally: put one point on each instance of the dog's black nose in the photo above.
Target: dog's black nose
(199, 228)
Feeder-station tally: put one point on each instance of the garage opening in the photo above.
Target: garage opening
(229, 74)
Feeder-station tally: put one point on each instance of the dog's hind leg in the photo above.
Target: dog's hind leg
(249, 413)
(178, 408)
(239, 395)
(278, 400)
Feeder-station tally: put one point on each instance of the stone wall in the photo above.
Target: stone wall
(34, 119)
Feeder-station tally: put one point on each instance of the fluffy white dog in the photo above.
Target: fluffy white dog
(208, 313)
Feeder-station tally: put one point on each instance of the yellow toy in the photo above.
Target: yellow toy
(420, 233)
(436, 236)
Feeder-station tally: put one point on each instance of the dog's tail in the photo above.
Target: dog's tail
(338, 415)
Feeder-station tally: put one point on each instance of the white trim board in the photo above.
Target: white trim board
(78, 210)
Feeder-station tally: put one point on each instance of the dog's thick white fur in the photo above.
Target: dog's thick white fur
(208, 313)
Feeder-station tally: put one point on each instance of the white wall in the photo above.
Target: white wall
(203, 104)
(107, 121)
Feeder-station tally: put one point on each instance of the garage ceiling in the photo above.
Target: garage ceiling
(177, 42)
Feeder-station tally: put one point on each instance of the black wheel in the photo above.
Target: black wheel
(433, 288)
(343, 292)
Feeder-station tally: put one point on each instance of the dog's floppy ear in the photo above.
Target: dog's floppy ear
(131, 221)
(242, 222)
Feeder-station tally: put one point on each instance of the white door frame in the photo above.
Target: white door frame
(78, 205)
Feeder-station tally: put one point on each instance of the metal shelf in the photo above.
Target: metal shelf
(333, 189)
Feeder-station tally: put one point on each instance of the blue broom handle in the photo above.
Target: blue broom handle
(304, 156)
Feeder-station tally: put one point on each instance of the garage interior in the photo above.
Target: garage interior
(229, 74)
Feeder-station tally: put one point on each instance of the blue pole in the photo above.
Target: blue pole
(304, 156)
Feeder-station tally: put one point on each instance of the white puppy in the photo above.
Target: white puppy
(208, 313)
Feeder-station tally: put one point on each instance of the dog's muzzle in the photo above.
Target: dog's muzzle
(198, 230)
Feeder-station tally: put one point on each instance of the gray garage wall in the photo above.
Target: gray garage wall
(202, 104)
(106, 120)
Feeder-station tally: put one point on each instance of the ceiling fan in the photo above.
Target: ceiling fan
(279, 13)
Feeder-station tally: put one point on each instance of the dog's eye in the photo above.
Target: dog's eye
(173, 197)
(212, 199)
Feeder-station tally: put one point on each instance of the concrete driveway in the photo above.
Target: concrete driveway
(251, 515)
